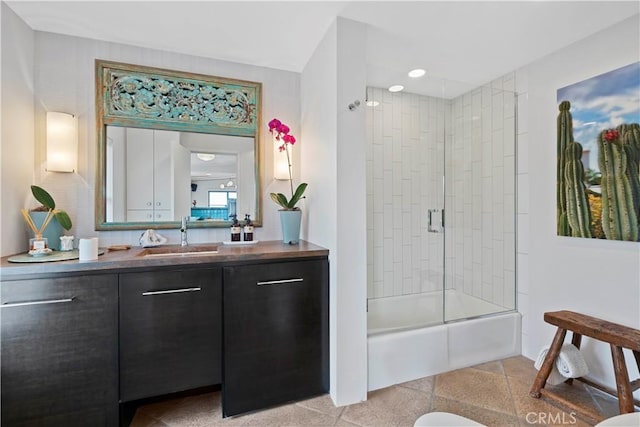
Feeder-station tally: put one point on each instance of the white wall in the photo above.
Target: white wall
(333, 163)
(597, 277)
(17, 145)
(64, 81)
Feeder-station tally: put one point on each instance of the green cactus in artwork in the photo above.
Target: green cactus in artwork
(630, 137)
(565, 137)
(619, 220)
(578, 210)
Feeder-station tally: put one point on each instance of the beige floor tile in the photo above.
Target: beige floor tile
(156, 410)
(606, 404)
(475, 387)
(423, 384)
(520, 367)
(343, 423)
(495, 367)
(289, 416)
(539, 411)
(391, 406)
(481, 415)
(199, 411)
(322, 404)
(494, 394)
(143, 420)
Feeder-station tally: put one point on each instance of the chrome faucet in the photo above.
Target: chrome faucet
(183, 231)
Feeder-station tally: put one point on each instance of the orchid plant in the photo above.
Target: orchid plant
(281, 136)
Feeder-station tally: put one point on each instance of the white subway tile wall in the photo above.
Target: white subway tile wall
(413, 141)
(404, 180)
(480, 194)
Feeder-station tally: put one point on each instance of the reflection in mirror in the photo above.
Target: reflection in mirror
(151, 125)
(158, 176)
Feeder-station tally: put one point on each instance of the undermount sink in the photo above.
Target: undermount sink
(168, 251)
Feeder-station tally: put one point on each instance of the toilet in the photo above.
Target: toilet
(444, 419)
(623, 420)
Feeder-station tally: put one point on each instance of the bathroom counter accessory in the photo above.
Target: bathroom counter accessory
(51, 257)
(618, 336)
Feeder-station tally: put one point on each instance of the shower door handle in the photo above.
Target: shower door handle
(438, 226)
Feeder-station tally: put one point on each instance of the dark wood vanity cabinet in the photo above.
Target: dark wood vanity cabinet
(170, 331)
(84, 344)
(58, 358)
(276, 331)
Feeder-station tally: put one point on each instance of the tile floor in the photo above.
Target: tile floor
(494, 394)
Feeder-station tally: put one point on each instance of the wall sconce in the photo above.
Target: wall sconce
(280, 164)
(62, 142)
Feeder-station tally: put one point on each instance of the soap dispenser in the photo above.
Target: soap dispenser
(248, 229)
(235, 228)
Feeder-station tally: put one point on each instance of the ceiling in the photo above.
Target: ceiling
(461, 44)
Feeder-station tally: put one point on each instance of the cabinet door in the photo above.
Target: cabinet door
(162, 215)
(163, 142)
(140, 167)
(59, 351)
(170, 331)
(275, 334)
(140, 215)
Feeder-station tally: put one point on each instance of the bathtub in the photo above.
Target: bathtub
(408, 339)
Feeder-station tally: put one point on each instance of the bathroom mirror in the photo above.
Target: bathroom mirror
(174, 144)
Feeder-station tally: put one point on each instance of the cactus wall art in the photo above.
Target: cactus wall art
(598, 157)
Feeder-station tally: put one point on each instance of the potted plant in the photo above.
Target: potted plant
(290, 214)
(42, 217)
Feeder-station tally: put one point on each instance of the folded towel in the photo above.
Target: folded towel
(569, 364)
(555, 377)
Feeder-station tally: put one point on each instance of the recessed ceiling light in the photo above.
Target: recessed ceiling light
(372, 103)
(418, 72)
(206, 157)
(396, 88)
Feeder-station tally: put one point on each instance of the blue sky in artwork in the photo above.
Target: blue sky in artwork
(603, 102)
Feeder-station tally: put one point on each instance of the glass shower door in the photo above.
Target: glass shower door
(405, 200)
(480, 203)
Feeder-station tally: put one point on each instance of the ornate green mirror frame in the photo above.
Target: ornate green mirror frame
(197, 114)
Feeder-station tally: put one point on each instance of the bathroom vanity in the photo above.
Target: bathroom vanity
(81, 339)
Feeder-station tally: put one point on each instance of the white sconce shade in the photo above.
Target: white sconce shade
(280, 164)
(62, 142)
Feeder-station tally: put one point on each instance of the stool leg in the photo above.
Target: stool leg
(547, 365)
(576, 340)
(625, 398)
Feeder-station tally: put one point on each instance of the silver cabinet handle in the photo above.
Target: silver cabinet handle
(44, 301)
(171, 291)
(277, 282)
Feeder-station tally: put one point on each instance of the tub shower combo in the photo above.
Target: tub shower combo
(440, 230)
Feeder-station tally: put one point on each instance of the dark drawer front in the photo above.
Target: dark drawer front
(59, 351)
(275, 334)
(170, 331)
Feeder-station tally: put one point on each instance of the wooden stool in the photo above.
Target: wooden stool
(618, 336)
